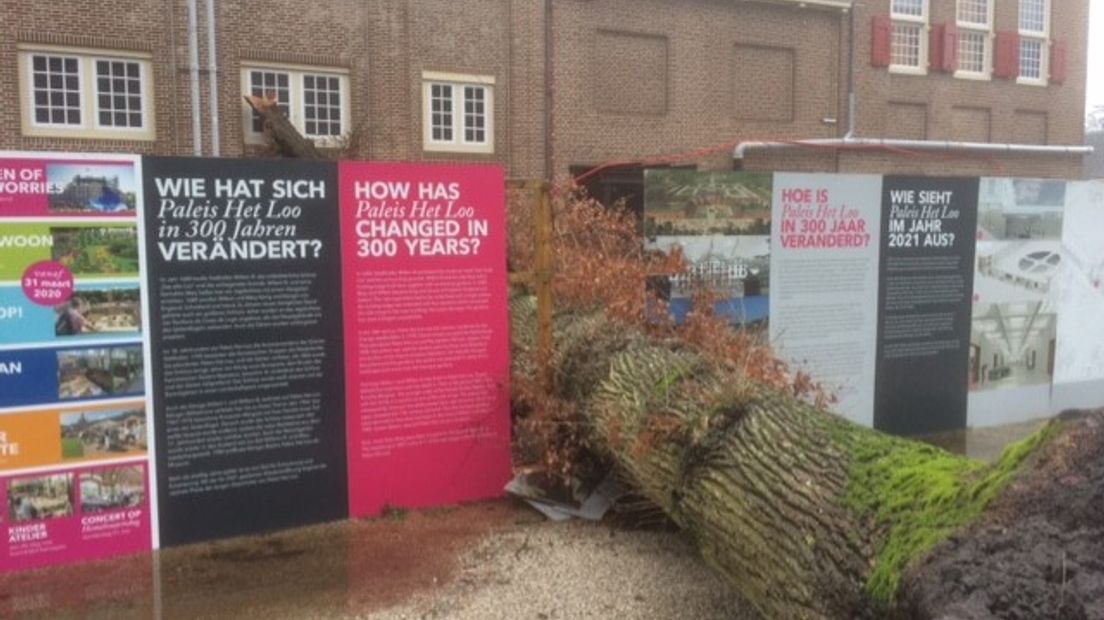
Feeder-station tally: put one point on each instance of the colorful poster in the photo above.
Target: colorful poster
(426, 334)
(824, 288)
(246, 333)
(1079, 358)
(721, 223)
(326, 340)
(924, 292)
(34, 185)
(1015, 303)
(75, 514)
(75, 441)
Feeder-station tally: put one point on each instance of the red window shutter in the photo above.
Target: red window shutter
(1058, 55)
(935, 47)
(881, 34)
(950, 47)
(1007, 64)
(943, 47)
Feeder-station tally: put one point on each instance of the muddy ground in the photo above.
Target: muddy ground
(1038, 553)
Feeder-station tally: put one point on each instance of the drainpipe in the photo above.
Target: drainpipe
(916, 145)
(193, 69)
(171, 11)
(548, 98)
(212, 77)
(852, 103)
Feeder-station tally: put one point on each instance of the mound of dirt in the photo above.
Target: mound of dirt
(1039, 551)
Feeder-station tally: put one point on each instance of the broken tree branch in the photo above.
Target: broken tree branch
(287, 139)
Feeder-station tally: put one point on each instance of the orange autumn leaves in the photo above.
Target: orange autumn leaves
(600, 263)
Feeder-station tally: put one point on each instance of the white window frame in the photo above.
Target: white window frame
(30, 90)
(920, 21)
(985, 30)
(459, 142)
(89, 128)
(296, 107)
(143, 80)
(1043, 37)
(247, 89)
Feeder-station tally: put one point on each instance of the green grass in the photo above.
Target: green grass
(126, 265)
(71, 448)
(919, 495)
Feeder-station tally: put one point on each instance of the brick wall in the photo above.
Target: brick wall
(640, 78)
(328, 35)
(744, 70)
(385, 47)
(632, 79)
(129, 25)
(995, 110)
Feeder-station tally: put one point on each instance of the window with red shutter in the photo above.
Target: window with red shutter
(909, 42)
(1034, 30)
(972, 38)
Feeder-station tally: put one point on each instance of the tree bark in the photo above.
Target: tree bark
(285, 137)
(755, 479)
(806, 514)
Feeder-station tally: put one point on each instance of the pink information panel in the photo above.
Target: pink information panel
(426, 334)
(75, 515)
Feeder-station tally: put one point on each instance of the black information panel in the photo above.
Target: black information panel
(925, 293)
(246, 335)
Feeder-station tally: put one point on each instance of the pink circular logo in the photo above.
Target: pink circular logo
(48, 283)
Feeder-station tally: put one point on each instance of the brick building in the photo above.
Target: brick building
(627, 80)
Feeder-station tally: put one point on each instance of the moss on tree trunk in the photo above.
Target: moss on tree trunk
(805, 513)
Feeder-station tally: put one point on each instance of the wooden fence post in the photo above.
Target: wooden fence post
(543, 279)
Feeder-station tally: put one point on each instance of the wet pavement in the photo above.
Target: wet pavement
(496, 559)
(322, 571)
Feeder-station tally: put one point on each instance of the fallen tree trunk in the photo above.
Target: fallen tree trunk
(806, 514)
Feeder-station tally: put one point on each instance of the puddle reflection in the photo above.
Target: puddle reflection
(985, 444)
(334, 570)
